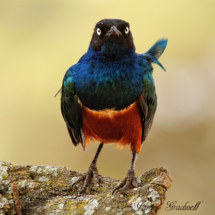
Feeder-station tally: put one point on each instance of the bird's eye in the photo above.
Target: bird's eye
(126, 30)
(98, 31)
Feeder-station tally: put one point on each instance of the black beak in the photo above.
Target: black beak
(113, 31)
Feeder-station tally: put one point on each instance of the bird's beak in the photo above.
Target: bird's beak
(113, 31)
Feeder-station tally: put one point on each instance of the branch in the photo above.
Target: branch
(16, 199)
(48, 190)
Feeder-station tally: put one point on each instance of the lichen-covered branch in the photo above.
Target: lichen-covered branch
(48, 190)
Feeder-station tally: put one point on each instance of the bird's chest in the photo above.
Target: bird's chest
(106, 86)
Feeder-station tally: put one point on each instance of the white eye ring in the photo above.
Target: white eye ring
(98, 31)
(126, 30)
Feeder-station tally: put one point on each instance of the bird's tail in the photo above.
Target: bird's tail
(154, 53)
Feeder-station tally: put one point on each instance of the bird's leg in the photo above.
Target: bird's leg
(91, 172)
(129, 179)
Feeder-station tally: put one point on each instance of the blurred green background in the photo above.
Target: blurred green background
(40, 40)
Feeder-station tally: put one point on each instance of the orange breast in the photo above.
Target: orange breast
(123, 127)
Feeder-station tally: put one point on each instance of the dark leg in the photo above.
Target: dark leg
(91, 172)
(129, 179)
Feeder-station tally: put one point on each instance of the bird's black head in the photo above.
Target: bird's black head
(112, 36)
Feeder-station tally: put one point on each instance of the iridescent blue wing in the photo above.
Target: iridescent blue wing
(71, 109)
(148, 101)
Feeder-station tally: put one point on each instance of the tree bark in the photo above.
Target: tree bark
(48, 190)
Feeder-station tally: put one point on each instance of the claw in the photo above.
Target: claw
(92, 172)
(134, 183)
(119, 186)
(79, 180)
(125, 184)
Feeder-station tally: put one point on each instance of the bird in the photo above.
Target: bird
(109, 96)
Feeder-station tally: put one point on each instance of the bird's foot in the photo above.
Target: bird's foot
(92, 172)
(130, 179)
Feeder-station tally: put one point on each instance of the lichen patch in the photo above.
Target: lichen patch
(33, 169)
(107, 208)
(89, 209)
(28, 185)
(136, 206)
(3, 171)
(60, 208)
(4, 203)
(43, 179)
(154, 195)
(49, 170)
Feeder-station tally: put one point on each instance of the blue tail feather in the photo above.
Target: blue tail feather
(158, 48)
(154, 53)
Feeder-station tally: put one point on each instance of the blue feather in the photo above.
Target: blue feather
(105, 82)
(154, 53)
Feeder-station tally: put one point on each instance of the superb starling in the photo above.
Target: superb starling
(109, 95)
